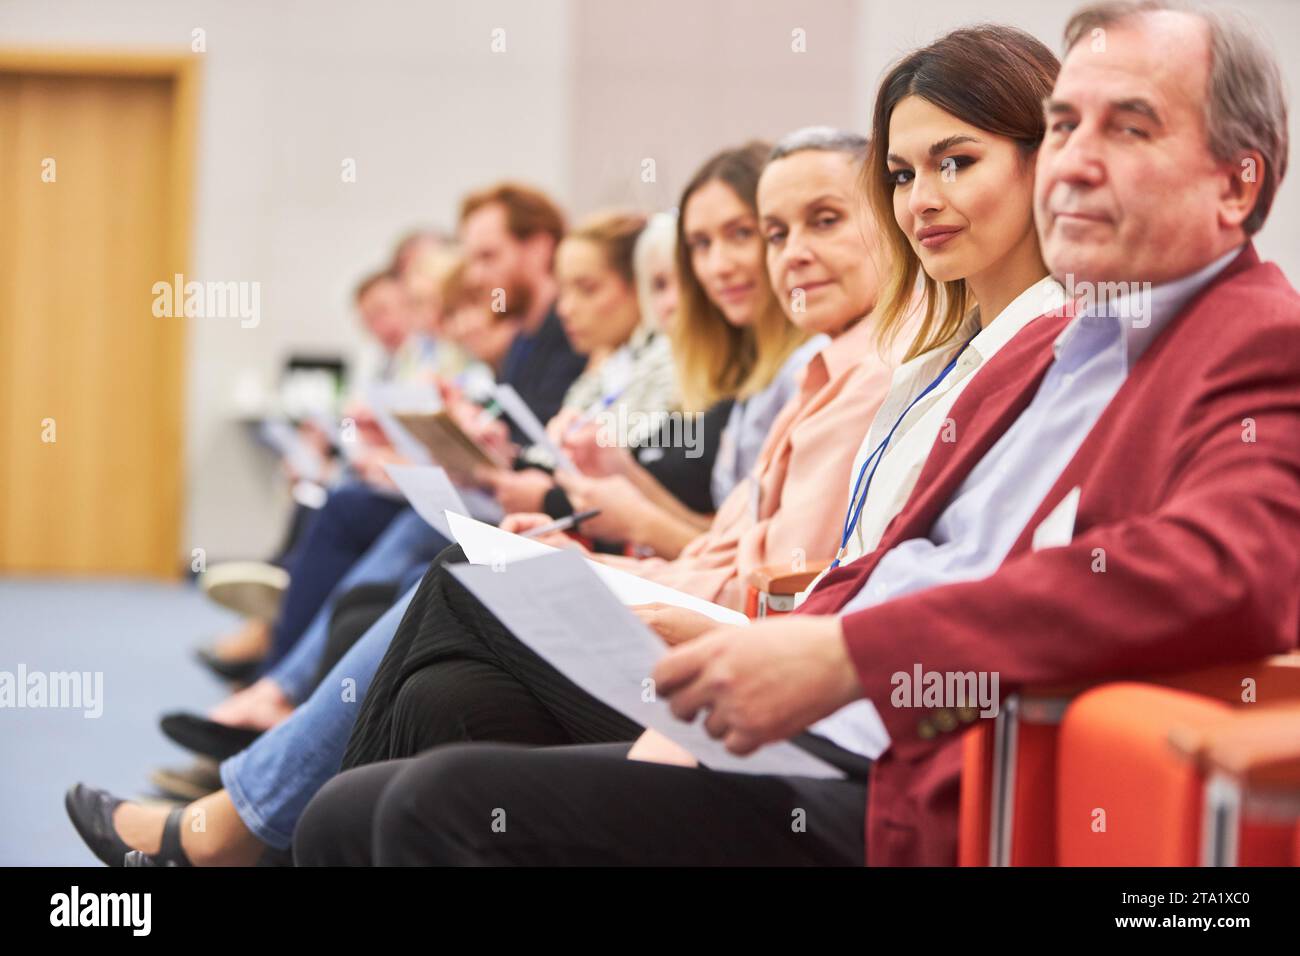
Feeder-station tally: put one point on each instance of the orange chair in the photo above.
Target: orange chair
(1024, 802)
(773, 588)
(1177, 779)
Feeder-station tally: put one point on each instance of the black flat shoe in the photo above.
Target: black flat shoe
(170, 852)
(91, 812)
(207, 737)
(240, 672)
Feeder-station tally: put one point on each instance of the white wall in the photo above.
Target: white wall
(677, 80)
(411, 90)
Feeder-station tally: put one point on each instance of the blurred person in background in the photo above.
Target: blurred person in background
(629, 365)
(393, 319)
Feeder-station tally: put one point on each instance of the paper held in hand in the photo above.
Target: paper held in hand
(485, 544)
(388, 398)
(513, 405)
(560, 608)
(430, 492)
(447, 443)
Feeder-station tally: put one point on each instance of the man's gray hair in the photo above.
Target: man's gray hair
(1245, 103)
(826, 139)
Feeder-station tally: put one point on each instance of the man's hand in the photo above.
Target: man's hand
(675, 625)
(370, 466)
(490, 434)
(761, 683)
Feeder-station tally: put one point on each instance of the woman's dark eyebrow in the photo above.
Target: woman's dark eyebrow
(731, 223)
(942, 146)
(949, 142)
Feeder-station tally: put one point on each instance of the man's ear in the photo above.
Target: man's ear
(1242, 181)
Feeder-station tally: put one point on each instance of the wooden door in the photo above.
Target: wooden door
(94, 195)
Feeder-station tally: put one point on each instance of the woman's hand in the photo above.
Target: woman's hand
(527, 521)
(594, 458)
(674, 625)
(620, 503)
(558, 425)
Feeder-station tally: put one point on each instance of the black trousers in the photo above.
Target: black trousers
(496, 804)
(453, 673)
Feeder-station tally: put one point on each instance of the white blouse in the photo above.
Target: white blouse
(902, 460)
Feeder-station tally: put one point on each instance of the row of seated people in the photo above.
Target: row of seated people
(1010, 368)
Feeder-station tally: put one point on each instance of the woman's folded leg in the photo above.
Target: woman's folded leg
(454, 673)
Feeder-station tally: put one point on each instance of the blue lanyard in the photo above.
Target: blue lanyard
(874, 459)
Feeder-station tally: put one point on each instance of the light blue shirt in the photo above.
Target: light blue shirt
(988, 513)
(750, 420)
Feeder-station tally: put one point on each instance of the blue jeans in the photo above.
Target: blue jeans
(271, 782)
(407, 545)
(352, 519)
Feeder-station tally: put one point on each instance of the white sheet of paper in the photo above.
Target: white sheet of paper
(555, 605)
(529, 424)
(485, 544)
(327, 424)
(430, 492)
(405, 397)
(301, 457)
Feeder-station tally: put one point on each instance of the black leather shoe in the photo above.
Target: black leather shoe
(207, 737)
(91, 812)
(240, 672)
(170, 853)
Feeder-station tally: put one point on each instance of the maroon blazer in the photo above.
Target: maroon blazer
(1191, 489)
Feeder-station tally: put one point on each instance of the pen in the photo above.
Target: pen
(591, 413)
(490, 411)
(564, 524)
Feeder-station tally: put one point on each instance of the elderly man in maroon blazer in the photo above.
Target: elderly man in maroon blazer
(1134, 506)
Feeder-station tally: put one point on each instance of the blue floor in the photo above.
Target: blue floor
(141, 636)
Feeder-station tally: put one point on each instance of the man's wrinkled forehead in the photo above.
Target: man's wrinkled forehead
(1161, 57)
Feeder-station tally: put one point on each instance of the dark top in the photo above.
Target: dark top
(688, 479)
(541, 367)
